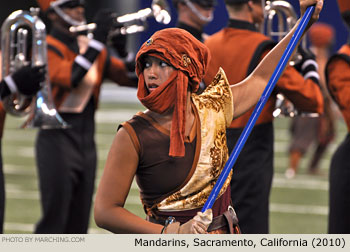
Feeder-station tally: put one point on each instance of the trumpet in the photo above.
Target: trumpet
(159, 10)
(15, 32)
(283, 12)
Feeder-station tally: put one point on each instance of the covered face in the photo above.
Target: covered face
(181, 50)
(189, 58)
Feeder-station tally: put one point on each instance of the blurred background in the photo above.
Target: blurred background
(330, 15)
(299, 205)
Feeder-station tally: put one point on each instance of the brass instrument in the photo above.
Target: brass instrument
(281, 14)
(284, 15)
(15, 31)
(159, 10)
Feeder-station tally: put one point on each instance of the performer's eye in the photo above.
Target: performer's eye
(147, 64)
(163, 64)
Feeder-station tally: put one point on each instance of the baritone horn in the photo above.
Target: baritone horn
(280, 18)
(159, 10)
(15, 33)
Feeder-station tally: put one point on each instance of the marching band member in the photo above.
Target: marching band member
(25, 80)
(194, 15)
(177, 148)
(319, 130)
(238, 49)
(338, 80)
(66, 158)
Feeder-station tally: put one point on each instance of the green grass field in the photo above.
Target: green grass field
(297, 206)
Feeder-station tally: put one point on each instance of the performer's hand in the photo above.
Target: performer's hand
(198, 225)
(118, 41)
(28, 79)
(318, 7)
(308, 66)
(104, 20)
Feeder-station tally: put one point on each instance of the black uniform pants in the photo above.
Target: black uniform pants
(339, 190)
(252, 178)
(66, 162)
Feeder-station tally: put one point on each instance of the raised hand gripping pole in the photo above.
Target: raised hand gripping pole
(258, 108)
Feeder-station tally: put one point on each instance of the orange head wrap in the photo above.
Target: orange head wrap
(321, 35)
(190, 58)
(44, 4)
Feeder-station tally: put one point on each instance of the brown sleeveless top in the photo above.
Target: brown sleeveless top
(158, 174)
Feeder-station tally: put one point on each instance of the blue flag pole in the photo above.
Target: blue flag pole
(258, 108)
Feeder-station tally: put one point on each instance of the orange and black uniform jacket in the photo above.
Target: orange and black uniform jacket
(62, 51)
(238, 49)
(338, 80)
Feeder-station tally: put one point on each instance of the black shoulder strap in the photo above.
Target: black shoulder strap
(267, 44)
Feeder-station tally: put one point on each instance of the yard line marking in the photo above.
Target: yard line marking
(16, 151)
(300, 183)
(18, 169)
(298, 209)
(114, 116)
(16, 193)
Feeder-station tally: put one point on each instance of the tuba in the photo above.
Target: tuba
(281, 16)
(15, 33)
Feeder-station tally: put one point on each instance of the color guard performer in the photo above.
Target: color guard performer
(177, 148)
(338, 83)
(66, 158)
(238, 49)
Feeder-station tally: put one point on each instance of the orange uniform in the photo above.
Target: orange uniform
(62, 57)
(66, 158)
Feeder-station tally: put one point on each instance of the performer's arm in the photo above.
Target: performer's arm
(25, 80)
(118, 72)
(305, 94)
(119, 172)
(114, 188)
